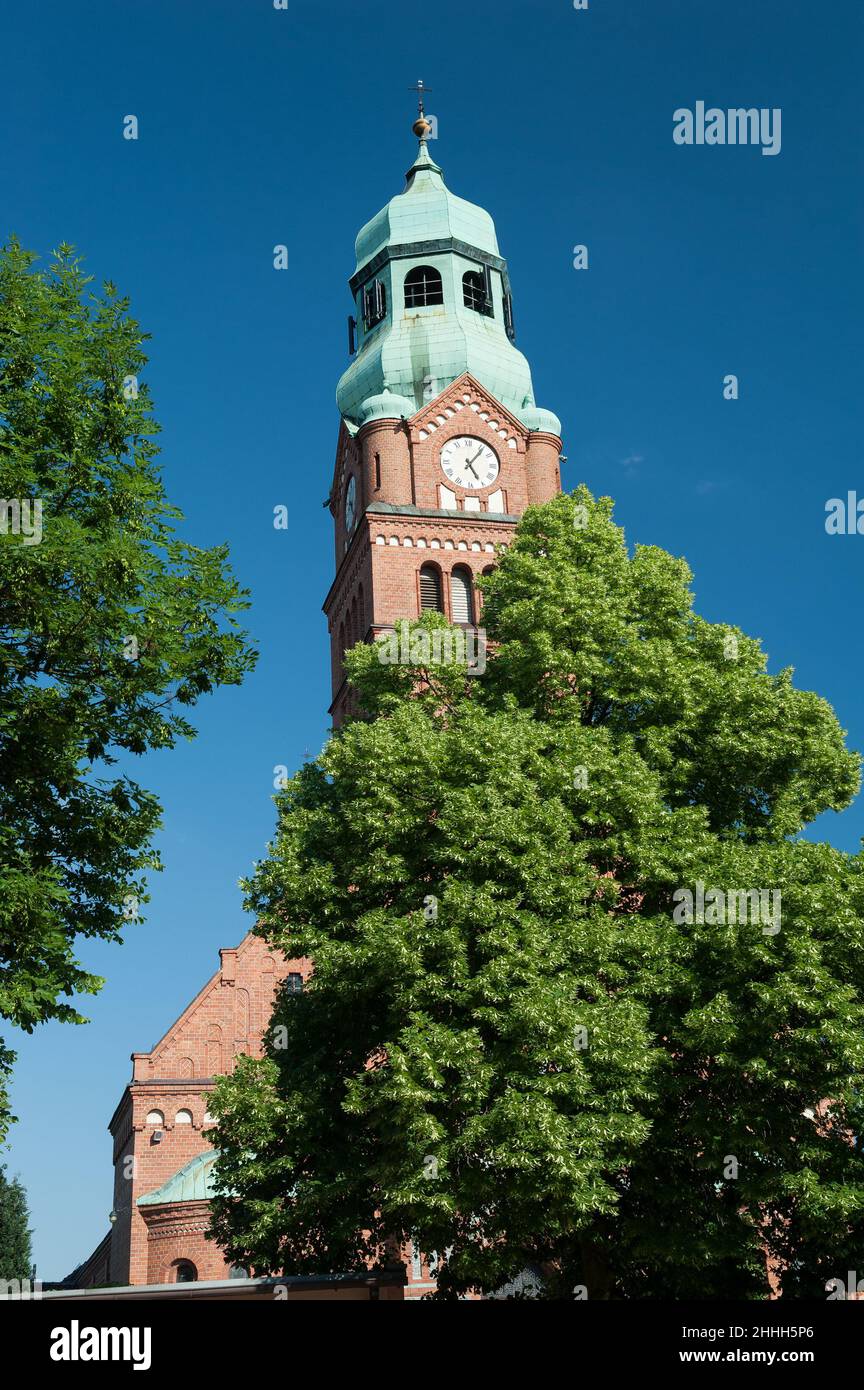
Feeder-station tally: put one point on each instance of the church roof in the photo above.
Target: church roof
(411, 344)
(426, 209)
(191, 1183)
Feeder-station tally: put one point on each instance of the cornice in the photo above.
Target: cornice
(434, 246)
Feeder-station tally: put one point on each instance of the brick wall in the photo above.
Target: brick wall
(397, 462)
(228, 1017)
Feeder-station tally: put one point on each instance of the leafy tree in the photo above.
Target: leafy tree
(111, 628)
(16, 1256)
(515, 1048)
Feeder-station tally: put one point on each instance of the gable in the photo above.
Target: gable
(226, 1018)
(465, 397)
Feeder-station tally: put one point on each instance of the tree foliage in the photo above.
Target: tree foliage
(111, 628)
(513, 1051)
(16, 1256)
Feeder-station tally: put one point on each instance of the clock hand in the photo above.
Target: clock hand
(473, 470)
(475, 458)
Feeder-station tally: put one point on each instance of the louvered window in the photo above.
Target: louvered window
(423, 285)
(430, 589)
(461, 600)
(374, 304)
(477, 291)
(508, 317)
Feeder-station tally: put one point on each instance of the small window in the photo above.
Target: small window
(155, 1117)
(423, 286)
(185, 1272)
(183, 1117)
(374, 304)
(477, 291)
(293, 984)
(430, 589)
(508, 317)
(377, 471)
(461, 596)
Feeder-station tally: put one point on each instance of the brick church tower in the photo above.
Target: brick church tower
(441, 446)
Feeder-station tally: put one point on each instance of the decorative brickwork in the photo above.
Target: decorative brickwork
(161, 1121)
(408, 513)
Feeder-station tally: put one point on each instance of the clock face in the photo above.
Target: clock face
(350, 504)
(469, 463)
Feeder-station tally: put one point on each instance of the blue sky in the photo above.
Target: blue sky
(260, 127)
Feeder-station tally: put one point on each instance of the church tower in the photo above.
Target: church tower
(441, 446)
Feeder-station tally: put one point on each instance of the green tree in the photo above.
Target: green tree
(111, 628)
(16, 1255)
(515, 1048)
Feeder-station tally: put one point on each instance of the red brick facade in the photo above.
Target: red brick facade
(402, 523)
(159, 1125)
(153, 1141)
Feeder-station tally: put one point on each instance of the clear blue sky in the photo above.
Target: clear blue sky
(260, 127)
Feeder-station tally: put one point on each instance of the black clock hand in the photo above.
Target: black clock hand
(473, 469)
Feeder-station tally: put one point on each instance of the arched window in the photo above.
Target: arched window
(430, 589)
(293, 983)
(461, 596)
(183, 1117)
(184, 1272)
(155, 1117)
(423, 285)
(477, 292)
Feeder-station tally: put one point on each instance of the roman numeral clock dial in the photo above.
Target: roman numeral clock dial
(469, 463)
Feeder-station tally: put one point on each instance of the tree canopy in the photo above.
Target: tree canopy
(111, 628)
(16, 1256)
(516, 1049)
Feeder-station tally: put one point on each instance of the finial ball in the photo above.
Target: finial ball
(421, 128)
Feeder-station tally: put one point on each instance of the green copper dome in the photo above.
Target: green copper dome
(432, 298)
(425, 209)
(385, 407)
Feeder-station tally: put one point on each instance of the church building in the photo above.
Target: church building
(441, 447)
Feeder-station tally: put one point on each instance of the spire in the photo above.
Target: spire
(424, 163)
(422, 128)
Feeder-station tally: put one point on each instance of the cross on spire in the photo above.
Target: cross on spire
(421, 91)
